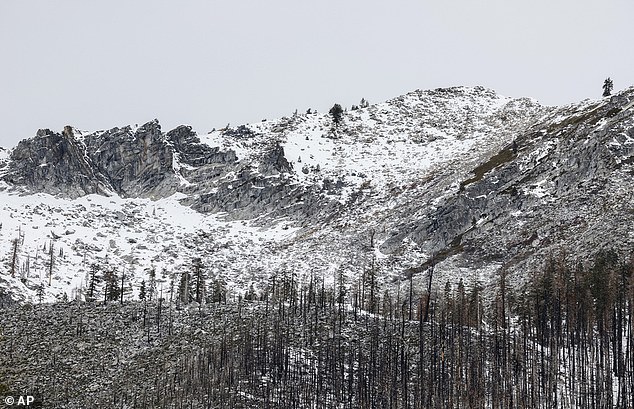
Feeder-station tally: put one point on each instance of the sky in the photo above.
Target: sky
(206, 63)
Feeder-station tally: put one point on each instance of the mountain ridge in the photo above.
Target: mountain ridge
(458, 178)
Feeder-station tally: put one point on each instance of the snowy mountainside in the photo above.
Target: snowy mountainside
(383, 143)
(460, 178)
(563, 188)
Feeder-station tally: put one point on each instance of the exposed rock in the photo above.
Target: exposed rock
(130, 163)
(274, 161)
(136, 164)
(194, 153)
(54, 163)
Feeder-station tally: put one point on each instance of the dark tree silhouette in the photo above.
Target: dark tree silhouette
(142, 291)
(13, 264)
(607, 87)
(94, 278)
(337, 113)
(111, 290)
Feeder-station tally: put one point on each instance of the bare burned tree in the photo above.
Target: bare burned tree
(13, 264)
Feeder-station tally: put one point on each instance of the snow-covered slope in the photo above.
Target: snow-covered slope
(132, 235)
(460, 178)
(383, 144)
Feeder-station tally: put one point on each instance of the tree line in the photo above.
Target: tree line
(566, 340)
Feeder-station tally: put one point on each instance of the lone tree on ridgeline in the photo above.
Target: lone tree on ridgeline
(337, 114)
(607, 87)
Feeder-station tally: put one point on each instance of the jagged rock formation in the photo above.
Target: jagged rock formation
(135, 164)
(55, 163)
(148, 163)
(130, 163)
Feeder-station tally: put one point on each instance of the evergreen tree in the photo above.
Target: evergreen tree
(39, 291)
(51, 263)
(337, 114)
(218, 291)
(607, 87)
(250, 295)
(199, 280)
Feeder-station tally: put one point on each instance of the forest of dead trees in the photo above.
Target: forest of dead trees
(565, 341)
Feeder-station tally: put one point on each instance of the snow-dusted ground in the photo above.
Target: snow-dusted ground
(411, 135)
(130, 234)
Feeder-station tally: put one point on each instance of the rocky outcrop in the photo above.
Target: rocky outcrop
(136, 164)
(55, 163)
(148, 163)
(194, 153)
(131, 163)
(274, 161)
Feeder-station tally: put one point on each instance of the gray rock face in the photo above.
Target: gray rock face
(130, 163)
(135, 164)
(194, 153)
(274, 161)
(55, 163)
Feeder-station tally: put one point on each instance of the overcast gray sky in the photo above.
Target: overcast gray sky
(206, 63)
